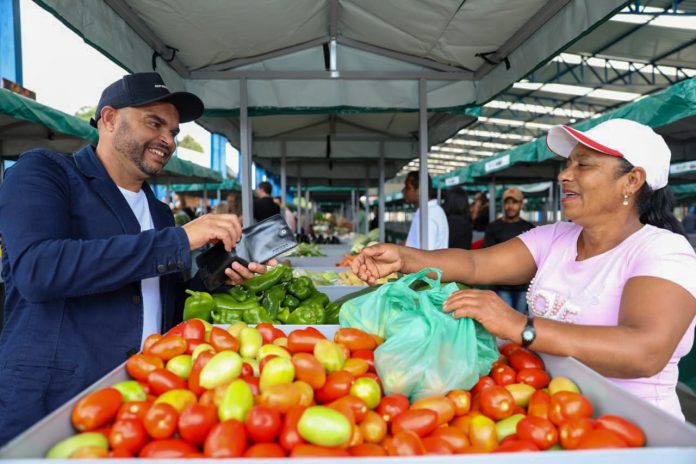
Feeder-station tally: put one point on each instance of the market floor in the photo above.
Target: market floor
(687, 398)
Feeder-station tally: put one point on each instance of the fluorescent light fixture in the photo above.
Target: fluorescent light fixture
(514, 123)
(498, 135)
(613, 95)
(540, 109)
(631, 18)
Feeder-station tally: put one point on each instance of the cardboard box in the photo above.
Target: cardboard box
(669, 440)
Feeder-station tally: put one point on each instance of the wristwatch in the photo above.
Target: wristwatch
(528, 333)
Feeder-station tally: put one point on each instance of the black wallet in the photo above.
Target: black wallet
(259, 243)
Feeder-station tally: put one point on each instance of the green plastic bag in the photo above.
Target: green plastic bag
(426, 352)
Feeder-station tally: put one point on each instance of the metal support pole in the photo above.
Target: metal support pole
(380, 193)
(283, 179)
(367, 206)
(308, 211)
(439, 195)
(491, 201)
(352, 209)
(298, 197)
(245, 169)
(423, 175)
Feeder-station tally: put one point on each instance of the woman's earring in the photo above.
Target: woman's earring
(625, 200)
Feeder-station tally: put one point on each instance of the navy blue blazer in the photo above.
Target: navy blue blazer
(73, 258)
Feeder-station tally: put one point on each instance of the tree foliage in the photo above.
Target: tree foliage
(190, 143)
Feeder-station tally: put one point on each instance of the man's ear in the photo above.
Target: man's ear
(108, 117)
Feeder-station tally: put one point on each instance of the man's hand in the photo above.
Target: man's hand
(212, 228)
(377, 261)
(238, 274)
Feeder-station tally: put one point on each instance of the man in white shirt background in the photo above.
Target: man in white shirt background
(438, 230)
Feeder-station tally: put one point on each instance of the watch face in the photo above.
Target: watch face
(527, 335)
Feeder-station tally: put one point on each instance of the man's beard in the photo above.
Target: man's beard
(125, 144)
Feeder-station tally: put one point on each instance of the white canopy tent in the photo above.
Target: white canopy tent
(296, 58)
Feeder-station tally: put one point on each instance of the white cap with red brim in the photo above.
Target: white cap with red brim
(635, 142)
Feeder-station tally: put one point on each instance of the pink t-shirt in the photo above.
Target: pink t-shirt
(589, 292)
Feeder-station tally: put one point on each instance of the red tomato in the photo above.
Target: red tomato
(516, 446)
(262, 424)
(193, 329)
(420, 421)
(192, 344)
(303, 340)
(565, 404)
(308, 451)
(176, 330)
(461, 400)
(405, 443)
(483, 433)
(337, 385)
(537, 378)
(483, 383)
(392, 405)
(539, 404)
(140, 365)
(367, 355)
(133, 410)
(355, 339)
(247, 370)
(265, 450)
(572, 431)
(435, 445)
(120, 453)
(503, 375)
(265, 359)
(367, 449)
(195, 374)
(309, 369)
(525, 359)
(508, 348)
(128, 434)
(162, 380)
(222, 340)
(267, 332)
(601, 439)
(630, 432)
(537, 430)
(167, 449)
(455, 438)
(226, 440)
(96, 409)
(161, 420)
(168, 347)
(357, 406)
(443, 406)
(151, 340)
(289, 436)
(496, 402)
(195, 421)
(253, 383)
(373, 427)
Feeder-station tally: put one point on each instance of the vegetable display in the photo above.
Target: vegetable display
(204, 391)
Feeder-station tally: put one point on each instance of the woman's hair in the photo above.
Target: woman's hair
(457, 203)
(654, 206)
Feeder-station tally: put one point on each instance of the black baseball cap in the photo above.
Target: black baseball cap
(141, 89)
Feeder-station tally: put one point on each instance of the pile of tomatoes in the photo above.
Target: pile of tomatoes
(203, 391)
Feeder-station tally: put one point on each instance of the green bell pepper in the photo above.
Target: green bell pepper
(263, 282)
(331, 310)
(256, 315)
(307, 314)
(239, 293)
(273, 299)
(226, 301)
(317, 298)
(291, 302)
(198, 305)
(226, 316)
(301, 287)
(283, 314)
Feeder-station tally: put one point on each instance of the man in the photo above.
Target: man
(501, 230)
(91, 259)
(264, 206)
(438, 230)
(289, 215)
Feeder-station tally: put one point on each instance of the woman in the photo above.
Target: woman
(613, 289)
(456, 209)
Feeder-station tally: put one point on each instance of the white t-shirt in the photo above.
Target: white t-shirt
(438, 230)
(152, 303)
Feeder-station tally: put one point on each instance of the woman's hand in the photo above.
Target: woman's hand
(490, 310)
(377, 261)
(238, 274)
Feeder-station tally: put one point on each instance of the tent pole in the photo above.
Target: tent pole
(423, 175)
(308, 211)
(491, 201)
(367, 205)
(245, 129)
(283, 179)
(298, 197)
(380, 194)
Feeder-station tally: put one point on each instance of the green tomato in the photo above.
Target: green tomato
(368, 390)
(508, 426)
(324, 426)
(131, 390)
(63, 449)
(236, 402)
(222, 368)
(180, 365)
(250, 340)
(276, 371)
(179, 398)
(330, 356)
